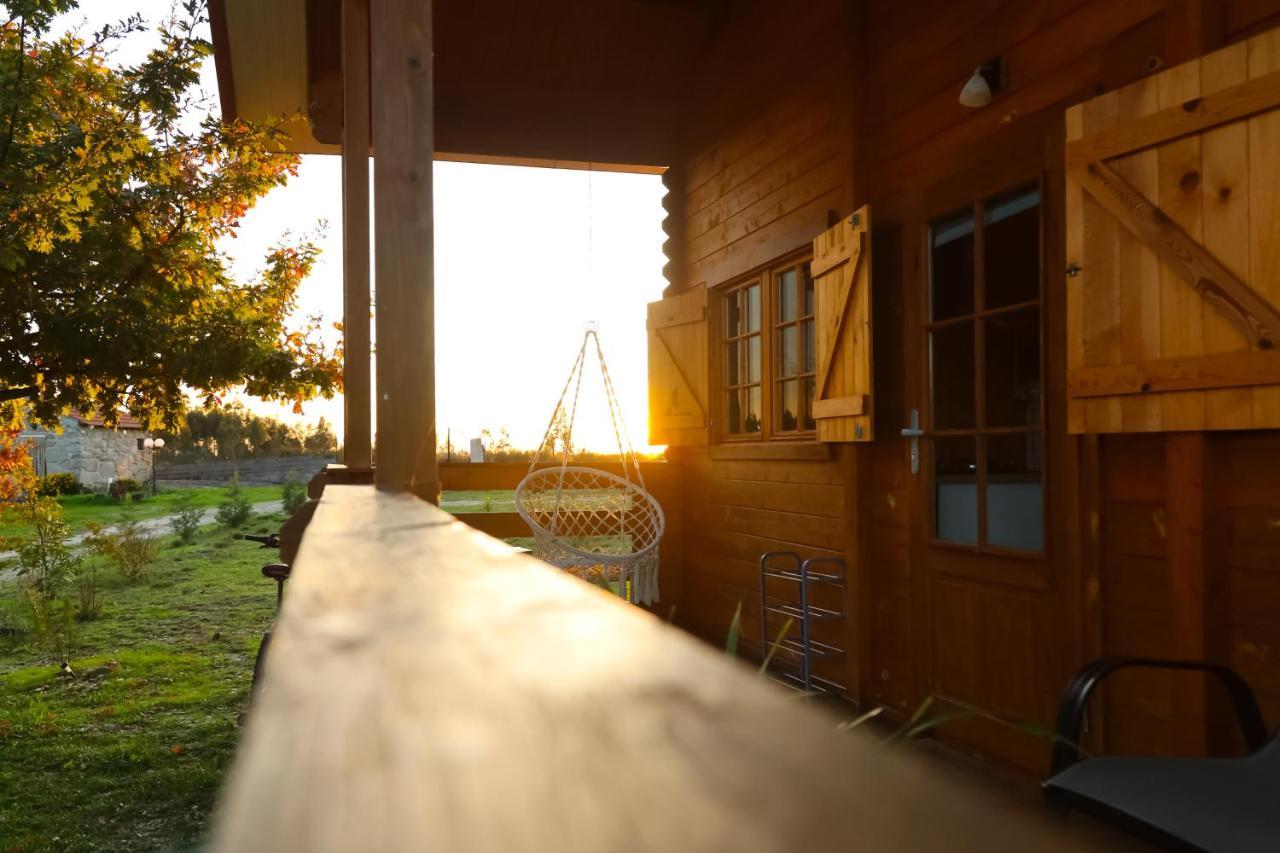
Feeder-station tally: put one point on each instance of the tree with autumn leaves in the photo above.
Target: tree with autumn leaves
(116, 186)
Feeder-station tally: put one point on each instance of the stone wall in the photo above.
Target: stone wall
(97, 455)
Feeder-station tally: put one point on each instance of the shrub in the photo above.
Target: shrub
(187, 518)
(235, 510)
(89, 606)
(124, 486)
(52, 485)
(53, 624)
(130, 547)
(45, 561)
(293, 495)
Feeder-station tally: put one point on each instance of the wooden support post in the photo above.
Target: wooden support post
(357, 439)
(1185, 519)
(403, 128)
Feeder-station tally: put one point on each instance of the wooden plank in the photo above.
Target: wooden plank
(357, 438)
(1237, 369)
(388, 735)
(1264, 205)
(1074, 223)
(1102, 320)
(1139, 267)
(1178, 198)
(1193, 116)
(1248, 312)
(841, 407)
(403, 132)
(1225, 200)
(1186, 506)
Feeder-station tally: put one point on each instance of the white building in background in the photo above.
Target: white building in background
(95, 453)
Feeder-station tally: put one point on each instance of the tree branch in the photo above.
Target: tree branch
(17, 393)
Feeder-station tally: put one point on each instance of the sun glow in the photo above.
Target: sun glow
(525, 259)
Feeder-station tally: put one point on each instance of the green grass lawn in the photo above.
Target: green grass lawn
(499, 500)
(129, 755)
(79, 509)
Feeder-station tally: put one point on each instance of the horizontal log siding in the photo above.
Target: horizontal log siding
(738, 509)
(770, 150)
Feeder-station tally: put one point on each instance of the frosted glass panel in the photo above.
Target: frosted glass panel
(956, 499)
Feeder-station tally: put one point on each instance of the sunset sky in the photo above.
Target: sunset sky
(525, 258)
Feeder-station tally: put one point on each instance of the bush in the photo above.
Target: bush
(45, 561)
(187, 518)
(89, 606)
(293, 495)
(52, 623)
(235, 510)
(124, 486)
(52, 485)
(130, 547)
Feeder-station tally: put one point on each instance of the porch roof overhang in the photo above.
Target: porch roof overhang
(559, 82)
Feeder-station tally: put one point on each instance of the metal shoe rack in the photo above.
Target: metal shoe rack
(793, 662)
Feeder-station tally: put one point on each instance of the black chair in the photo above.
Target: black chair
(1200, 804)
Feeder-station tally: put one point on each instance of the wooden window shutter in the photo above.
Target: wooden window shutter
(678, 368)
(1173, 248)
(841, 270)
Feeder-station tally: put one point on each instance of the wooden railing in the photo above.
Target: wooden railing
(430, 689)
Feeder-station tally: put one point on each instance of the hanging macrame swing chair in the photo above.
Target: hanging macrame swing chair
(599, 526)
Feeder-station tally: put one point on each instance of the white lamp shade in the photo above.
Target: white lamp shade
(148, 443)
(159, 443)
(976, 92)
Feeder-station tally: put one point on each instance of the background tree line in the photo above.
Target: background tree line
(233, 432)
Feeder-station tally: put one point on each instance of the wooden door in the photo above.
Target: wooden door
(983, 639)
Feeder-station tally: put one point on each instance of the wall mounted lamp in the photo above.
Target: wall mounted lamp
(988, 78)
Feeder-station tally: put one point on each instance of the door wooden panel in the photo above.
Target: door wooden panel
(1173, 212)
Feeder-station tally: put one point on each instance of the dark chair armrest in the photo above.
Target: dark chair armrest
(1076, 700)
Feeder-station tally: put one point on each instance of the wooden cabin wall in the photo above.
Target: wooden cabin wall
(781, 135)
(769, 139)
(918, 145)
(768, 165)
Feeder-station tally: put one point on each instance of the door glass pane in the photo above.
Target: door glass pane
(951, 267)
(731, 364)
(955, 477)
(810, 347)
(787, 296)
(1013, 368)
(951, 350)
(1011, 249)
(751, 308)
(808, 292)
(788, 351)
(1015, 492)
(789, 405)
(806, 403)
(751, 355)
(751, 409)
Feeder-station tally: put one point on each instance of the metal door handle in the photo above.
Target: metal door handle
(914, 432)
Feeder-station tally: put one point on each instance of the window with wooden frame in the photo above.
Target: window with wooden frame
(743, 357)
(985, 367)
(768, 353)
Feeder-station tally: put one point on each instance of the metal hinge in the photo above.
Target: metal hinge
(1074, 269)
